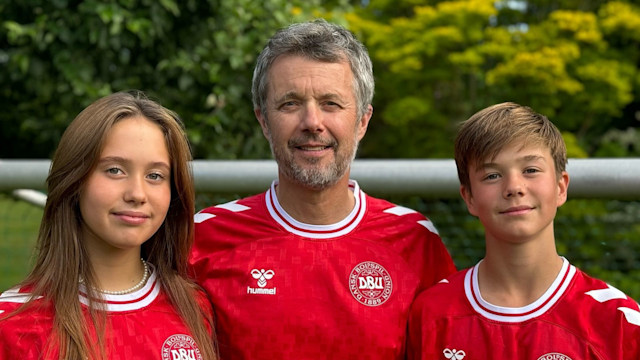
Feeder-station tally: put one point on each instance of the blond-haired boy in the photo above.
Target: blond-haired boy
(523, 300)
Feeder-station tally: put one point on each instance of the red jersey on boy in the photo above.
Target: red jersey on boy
(577, 318)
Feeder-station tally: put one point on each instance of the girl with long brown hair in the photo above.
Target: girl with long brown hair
(110, 276)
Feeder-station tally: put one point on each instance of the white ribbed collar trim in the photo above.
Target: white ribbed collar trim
(520, 314)
(340, 228)
(132, 301)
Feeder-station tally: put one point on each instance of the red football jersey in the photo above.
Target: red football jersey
(142, 325)
(282, 289)
(577, 318)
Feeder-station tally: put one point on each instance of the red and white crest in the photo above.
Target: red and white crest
(180, 347)
(370, 283)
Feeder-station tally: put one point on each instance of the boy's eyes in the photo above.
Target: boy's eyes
(494, 176)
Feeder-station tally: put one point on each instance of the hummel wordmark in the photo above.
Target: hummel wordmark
(262, 276)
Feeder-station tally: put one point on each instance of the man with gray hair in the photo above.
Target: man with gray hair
(314, 268)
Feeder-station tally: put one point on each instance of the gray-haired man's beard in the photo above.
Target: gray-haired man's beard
(314, 176)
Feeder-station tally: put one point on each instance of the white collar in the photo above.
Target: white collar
(519, 314)
(294, 226)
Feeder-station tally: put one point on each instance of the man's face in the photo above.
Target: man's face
(311, 120)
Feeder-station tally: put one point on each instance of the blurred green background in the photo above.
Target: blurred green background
(435, 62)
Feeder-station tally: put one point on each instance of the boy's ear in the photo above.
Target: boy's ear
(563, 187)
(468, 199)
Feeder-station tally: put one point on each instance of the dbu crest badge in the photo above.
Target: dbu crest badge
(180, 347)
(370, 283)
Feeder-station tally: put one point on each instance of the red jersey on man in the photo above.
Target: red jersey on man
(282, 289)
(577, 318)
(142, 325)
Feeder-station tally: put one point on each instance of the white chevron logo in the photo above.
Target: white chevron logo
(631, 315)
(233, 206)
(603, 295)
(611, 293)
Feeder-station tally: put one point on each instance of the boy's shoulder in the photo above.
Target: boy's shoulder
(595, 299)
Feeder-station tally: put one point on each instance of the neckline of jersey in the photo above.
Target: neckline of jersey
(312, 231)
(517, 314)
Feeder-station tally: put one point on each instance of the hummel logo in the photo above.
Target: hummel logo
(262, 276)
(454, 354)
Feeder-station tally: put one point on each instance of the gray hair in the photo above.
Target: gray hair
(316, 40)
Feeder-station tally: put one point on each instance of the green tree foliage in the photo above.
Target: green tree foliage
(195, 57)
(438, 62)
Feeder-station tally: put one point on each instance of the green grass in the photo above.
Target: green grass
(19, 223)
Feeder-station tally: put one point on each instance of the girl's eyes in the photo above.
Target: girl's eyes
(156, 176)
(114, 171)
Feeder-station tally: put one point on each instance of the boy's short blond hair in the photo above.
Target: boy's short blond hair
(488, 131)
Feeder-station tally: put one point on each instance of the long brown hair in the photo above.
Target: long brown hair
(62, 257)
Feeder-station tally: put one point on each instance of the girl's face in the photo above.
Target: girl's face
(126, 197)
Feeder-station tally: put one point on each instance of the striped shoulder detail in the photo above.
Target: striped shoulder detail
(610, 294)
(429, 225)
(202, 217)
(401, 210)
(232, 206)
(15, 296)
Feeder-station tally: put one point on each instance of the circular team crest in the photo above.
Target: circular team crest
(554, 356)
(180, 347)
(370, 283)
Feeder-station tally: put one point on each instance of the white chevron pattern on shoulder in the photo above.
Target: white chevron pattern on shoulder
(603, 295)
(399, 210)
(201, 217)
(233, 206)
(429, 225)
(12, 295)
(632, 316)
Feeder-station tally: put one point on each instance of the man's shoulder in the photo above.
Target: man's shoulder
(385, 216)
(236, 206)
(382, 208)
(252, 206)
(452, 285)
(448, 293)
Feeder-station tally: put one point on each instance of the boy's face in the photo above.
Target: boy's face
(516, 194)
